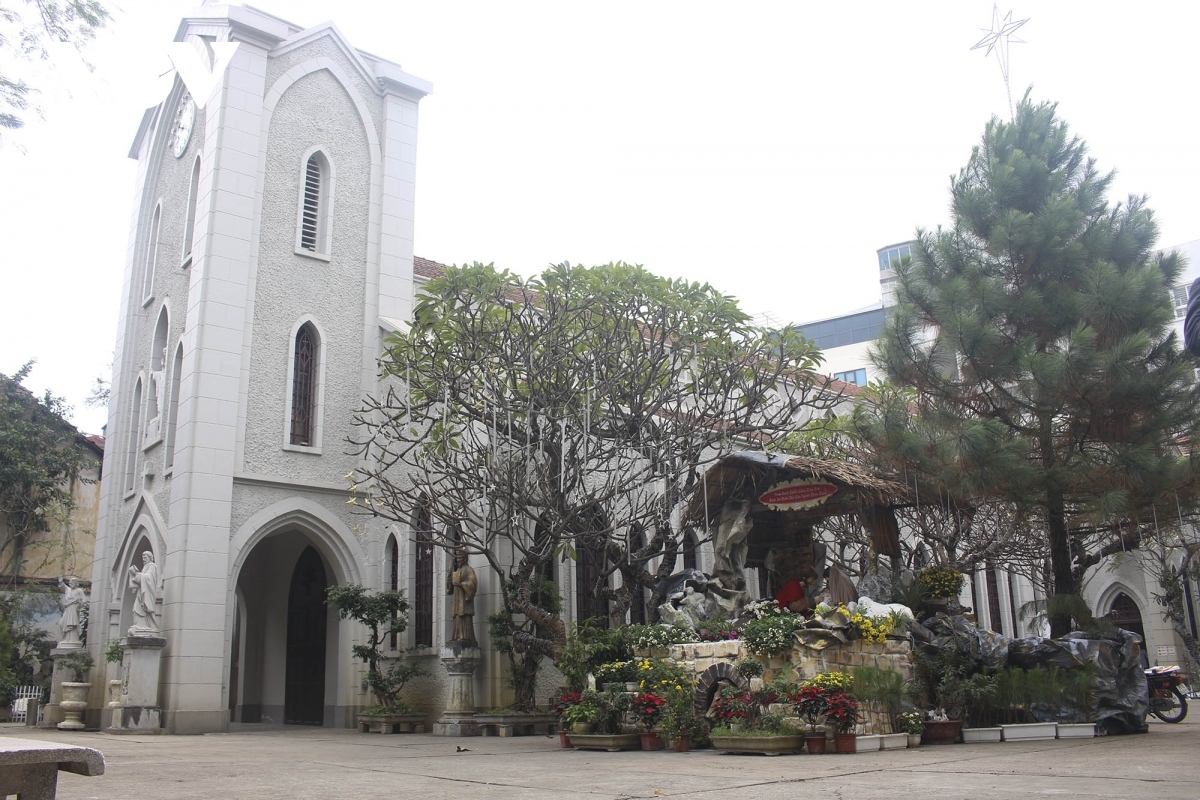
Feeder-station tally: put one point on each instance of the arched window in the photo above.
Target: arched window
(391, 573)
(589, 569)
(173, 406)
(135, 436)
(305, 352)
(151, 256)
(316, 206)
(423, 577)
(637, 596)
(155, 398)
(189, 222)
(691, 548)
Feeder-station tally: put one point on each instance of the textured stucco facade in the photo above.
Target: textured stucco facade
(200, 468)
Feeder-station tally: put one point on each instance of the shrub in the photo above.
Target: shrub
(940, 581)
(749, 668)
(910, 722)
(832, 681)
(645, 637)
(772, 635)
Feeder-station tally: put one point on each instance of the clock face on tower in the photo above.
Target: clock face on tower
(185, 117)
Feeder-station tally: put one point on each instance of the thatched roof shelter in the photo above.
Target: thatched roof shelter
(809, 489)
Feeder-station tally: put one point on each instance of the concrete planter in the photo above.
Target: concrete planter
(869, 743)
(391, 723)
(1076, 730)
(981, 735)
(894, 741)
(73, 704)
(942, 732)
(612, 742)
(767, 745)
(1030, 732)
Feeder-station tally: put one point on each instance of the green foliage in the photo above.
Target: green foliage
(939, 679)
(555, 397)
(749, 668)
(79, 663)
(772, 635)
(880, 689)
(112, 653)
(1054, 383)
(26, 30)
(523, 665)
(979, 695)
(940, 581)
(383, 613)
(24, 644)
(40, 453)
(646, 637)
(910, 722)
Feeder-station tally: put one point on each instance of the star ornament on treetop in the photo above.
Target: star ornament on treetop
(1000, 30)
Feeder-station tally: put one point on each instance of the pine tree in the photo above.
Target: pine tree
(1035, 331)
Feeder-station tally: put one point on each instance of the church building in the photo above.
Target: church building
(271, 251)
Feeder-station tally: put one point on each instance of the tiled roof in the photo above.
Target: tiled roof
(426, 268)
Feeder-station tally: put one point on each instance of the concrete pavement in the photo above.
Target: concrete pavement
(300, 763)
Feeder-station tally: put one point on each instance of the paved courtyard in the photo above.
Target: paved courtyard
(298, 763)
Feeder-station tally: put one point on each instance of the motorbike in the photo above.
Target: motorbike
(1167, 702)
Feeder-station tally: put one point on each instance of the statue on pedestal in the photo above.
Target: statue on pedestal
(462, 583)
(145, 599)
(70, 623)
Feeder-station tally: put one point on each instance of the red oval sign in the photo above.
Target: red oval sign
(797, 495)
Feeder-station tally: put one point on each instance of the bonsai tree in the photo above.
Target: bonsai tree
(79, 663)
(383, 613)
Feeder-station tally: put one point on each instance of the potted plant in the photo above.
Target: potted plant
(114, 655)
(912, 724)
(78, 663)
(1032, 688)
(565, 701)
(758, 731)
(939, 687)
(939, 584)
(647, 710)
(383, 613)
(582, 717)
(979, 693)
(1080, 698)
(810, 702)
(842, 713)
(607, 732)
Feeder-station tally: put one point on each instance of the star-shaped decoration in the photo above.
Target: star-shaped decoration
(999, 36)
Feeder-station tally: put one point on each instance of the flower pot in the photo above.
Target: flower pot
(914, 740)
(1030, 732)
(604, 741)
(683, 743)
(980, 735)
(650, 741)
(815, 742)
(564, 739)
(73, 704)
(1074, 730)
(765, 744)
(942, 732)
(631, 686)
(583, 728)
(845, 742)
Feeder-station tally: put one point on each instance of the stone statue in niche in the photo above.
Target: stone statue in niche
(70, 623)
(462, 583)
(144, 584)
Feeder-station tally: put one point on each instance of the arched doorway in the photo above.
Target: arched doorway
(284, 658)
(1125, 614)
(304, 688)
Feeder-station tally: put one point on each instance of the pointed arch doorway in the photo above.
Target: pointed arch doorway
(304, 685)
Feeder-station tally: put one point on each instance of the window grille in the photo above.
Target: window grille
(588, 573)
(303, 386)
(1179, 298)
(393, 576)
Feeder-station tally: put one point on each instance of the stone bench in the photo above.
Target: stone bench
(515, 724)
(29, 767)
(391, 723)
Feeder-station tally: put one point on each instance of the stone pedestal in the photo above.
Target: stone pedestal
(54, 712)
(460, 659)
(138, 710)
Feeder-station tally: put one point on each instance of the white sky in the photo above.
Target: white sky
(768, 148)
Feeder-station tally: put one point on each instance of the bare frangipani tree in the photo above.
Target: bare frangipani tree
(566, 417)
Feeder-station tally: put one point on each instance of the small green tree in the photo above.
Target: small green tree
(40, 454)
(1035, 333)
(384, 613)
(523, 667)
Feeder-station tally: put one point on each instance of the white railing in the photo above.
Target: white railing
(20, 704)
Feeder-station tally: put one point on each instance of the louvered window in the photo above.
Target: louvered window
(589, 571)
(304, 369)
(310, 221)
(1179, 298)
(392, 582)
